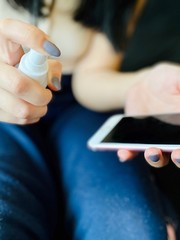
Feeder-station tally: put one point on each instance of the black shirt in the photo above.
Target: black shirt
(156, 37)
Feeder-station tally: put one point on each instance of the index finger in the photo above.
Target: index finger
(28, 35)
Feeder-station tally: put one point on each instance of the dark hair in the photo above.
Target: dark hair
(107, 16)
(35, 7)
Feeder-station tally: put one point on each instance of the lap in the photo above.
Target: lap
(27, 195)
(105, 199)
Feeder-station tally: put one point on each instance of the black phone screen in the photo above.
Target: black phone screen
(147, 130)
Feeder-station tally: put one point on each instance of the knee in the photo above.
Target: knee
(113, 221)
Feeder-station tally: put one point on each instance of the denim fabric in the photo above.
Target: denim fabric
(54, 187)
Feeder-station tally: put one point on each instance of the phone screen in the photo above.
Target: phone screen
(146, 130)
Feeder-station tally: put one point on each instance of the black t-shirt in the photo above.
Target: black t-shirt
(156, 37)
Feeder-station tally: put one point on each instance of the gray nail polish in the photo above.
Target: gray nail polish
(56, 82)
(154, 158)
(177, 160)
(51, 49)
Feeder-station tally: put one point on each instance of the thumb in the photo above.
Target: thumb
(125, 154)
(54, 74)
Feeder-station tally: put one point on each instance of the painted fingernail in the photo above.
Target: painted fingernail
(56, 83)
(154, 158)
(177, 160)
(51, 48)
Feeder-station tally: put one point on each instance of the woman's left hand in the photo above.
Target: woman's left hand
(158, 92)
(154, 156)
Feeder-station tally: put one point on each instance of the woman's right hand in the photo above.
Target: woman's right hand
(22, 100)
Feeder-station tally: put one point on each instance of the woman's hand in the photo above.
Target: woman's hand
(154, 156)
(22, 100)
(158, 92)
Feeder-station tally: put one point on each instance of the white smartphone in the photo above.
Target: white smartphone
(138, 133)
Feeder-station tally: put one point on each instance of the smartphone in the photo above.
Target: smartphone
(138, 133)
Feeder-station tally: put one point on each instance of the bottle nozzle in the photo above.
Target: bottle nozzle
(34, 65)
(36, 57)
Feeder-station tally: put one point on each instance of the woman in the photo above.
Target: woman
(51, 183)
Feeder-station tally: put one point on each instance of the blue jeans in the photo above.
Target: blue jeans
(54, 187)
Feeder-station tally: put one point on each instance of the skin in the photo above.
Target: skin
(22, 101)
(97, 84)
(161, 97)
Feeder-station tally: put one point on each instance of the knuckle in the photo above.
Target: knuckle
(4, 23)
(18, 85)
(27, 121)
(28, 32)
(23, 112)
(44, 98)
(45, 109)
(34, 34)
(9, 59)
(22, 121)
(48, 97)
(27, 112)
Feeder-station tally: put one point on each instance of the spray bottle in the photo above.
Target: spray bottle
(34, 65)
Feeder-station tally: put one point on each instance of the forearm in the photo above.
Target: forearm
(104, 90)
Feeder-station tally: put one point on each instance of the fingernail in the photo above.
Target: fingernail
(51, 48)
(154, 158)
(177, 160)
(56, 82)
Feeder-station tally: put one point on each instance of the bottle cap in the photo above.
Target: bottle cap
(35, 57)
(34, 65)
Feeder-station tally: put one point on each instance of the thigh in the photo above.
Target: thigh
(105, 199)
(27, 196)
(168, 181)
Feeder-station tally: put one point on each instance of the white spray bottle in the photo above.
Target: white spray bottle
(34, 65)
